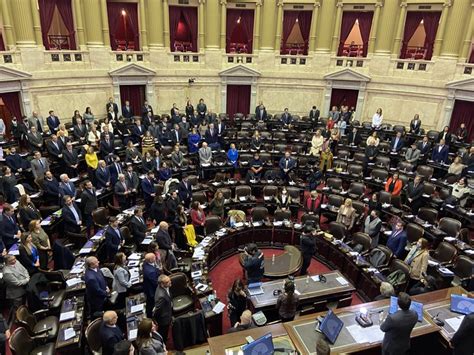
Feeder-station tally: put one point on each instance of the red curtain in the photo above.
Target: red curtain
(2, 45)
(348, 20)
(123, 31)
(411, 24)
(12, 102)
(365, 24)
(182, 31)
(345, 97)
(189, 14)
(238, 99)
(471, 58)
(239, 32)
(304, 19)
(135, 94)
(65, 10)
(46, 11)
(463, 112)
(289, 20)
(430, 22)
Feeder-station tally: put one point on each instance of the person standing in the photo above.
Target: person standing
(89, 204)
(151, 272)
(397, 328)
(254, 263)
(110, 334)
(16, 278)
(237, 301)
(163, 311)
(149, 341)
(121, 281)
(372, 226)
(462, 341)
(417, 259)
(287, 302)
(96, 287)
(308, 248)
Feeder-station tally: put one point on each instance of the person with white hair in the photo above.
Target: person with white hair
(110, 334)
(245, 323)
(66, 187)
(96, 286)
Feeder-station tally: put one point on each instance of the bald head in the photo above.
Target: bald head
(164, 225)
(150, 258)
(92, 262)
(164, 281)
(110, 318)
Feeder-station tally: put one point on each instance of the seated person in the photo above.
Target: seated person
(397, 143)
(246, 322)
(110, 334)
(286, 119)
(386, 291)
(255, 168)
(286, 164)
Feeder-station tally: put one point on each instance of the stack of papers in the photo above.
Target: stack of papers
(67, 315)
(218, 308)
(361, 335)
(69, 333)
(342, 280)
(134, 256)
(198, 253)
(137, 308)
(85, 250)
(455, 322)
(74, 281)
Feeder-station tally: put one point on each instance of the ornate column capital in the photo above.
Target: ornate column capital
(223, 3)
(379, 4)
(280, 3)
(202, 2)
(259, 3)
(340, 4)
(317, 4)
(404, 5)
(448, 3)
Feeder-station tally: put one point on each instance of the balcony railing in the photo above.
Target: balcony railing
(236, 58)
(53, 56)
(186, 57)
(356, 62)
(411, 64)
(58, 42)
(296, 60)
(129, 56)
(8, 57)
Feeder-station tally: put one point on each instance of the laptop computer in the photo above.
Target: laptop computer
(255, 289)
(462, 304)
(331, 326)
(415, 306)
(263, 345)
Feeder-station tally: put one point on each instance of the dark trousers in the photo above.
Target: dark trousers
(89, 222)
(43, 258)
(150, 303)
(305, 265)
(163, 330)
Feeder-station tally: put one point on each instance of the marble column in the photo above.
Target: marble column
(397, 43)
(155, 26)
(467, 43)
(23, 19)
(223, 39)
(201, 22)
(256, 26)
(326, 25)
(267, 29)
(387, 23)
(36, 22)
(79, 22)
(212, 29)
(105, 23)
(93, 23)
(143, 28)
(314, 25)
(337, 28)
(458, 23)
(279, 28)
(166, 23)
(441, 29)
(374, 29)
(7, 25)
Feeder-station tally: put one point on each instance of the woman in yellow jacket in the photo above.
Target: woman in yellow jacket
(417, 259)
(92, 161)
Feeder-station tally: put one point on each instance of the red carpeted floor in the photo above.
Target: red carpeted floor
(224, 274)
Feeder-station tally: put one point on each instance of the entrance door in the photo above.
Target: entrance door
(9, 107)
(135, 94)
(344, 97)
(463, 112)
(238, 99)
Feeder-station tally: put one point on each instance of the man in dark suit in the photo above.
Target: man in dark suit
(138, 131)
(66, 187)
(115, 169)
(211, 137)
(254, 263)
(397, 328)
(71, 215)
(163, 311)
(39, 165)
(102, 175)
(164, 242)
(150, 281)
(122, 191)
(397, 143)
(146, 108)
(314, 114)
(463, 341)
(185, 191)
(112, 104)
(220, 128)
(133, 181)
(80, 131)
(53, 122)
(415, 124)
(148, 189)
(127, 110)
(110, 334)
(51, 190)
(175, 135)
(371, 152)
(286, 164)
(9, 227)
(96, 287)
(106, 146)
(71, 159)
(35, 139)
(113, 238)
(286, 118)
(88, 204)
(16, 162)
(414, 194)
(55, 148)
(308, 248)
(354, 137)
(424, 146)
(440, 152)
(446, 135)
(261, 112)
(138, 226)
(397, 240)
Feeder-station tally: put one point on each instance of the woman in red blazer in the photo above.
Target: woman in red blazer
(198, 218)
(394, 185)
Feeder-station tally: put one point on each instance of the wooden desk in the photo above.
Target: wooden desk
(75, 304)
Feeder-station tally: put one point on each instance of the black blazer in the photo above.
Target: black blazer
(26, 260)
(103, 177)
(119, 191)
(426, 149)
(357, 139)
(69, 220)
(114, 105)
(414, 192)
(8, 230)
(88, 201)
(51, 189)
(397, 328)
(53, 150)
(70, 158)
(80, 133)
(109, 337)
(27, 214)
(163, 311)
(138, 229)
(462, 340)
(112, 242)
(106, 149)
(164, 240)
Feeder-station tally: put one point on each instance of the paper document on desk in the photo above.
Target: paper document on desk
(67, 315)
(342, 280)
(218, 308)
(455, 322)
(361, 335)
(132, 335)
(69, 333)
(137, 308)
(74, 281)
(134, 256)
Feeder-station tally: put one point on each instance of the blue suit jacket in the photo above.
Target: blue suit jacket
(96, 288)
(109, 337)
(8, 229)
(69, 220)
(53, 123)
(399, 146)
(148, 188)
(15, 162)
(112, 242)
(150, 280)
(103, 177)
(136, 132)
(440, 156)
(291, 163)
(64, 190)
(397, 244)
(114, 173)
(51, 188)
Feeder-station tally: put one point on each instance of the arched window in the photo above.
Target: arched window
(123, 26)
(419, 35)
(295, 36)
(57, 24)
(239, 31)
(355, 34)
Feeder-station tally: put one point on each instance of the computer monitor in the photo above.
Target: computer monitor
(261, 346)
(331, 326)
(415, 306)
(462, 304)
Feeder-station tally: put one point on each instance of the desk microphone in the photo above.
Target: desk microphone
(364, 318)
(437, 321)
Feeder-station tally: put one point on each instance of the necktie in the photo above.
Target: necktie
(41, 163)
(74, 212)
(119, 169)
(286, 164)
